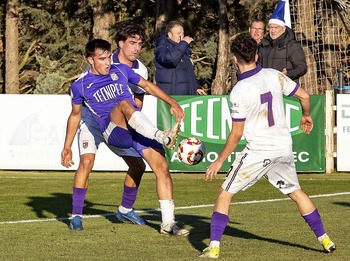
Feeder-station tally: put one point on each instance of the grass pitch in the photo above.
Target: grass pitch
(264, 224)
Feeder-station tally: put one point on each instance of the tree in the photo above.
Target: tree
(166, 10)
(219, 84)
(11, 51)
(2, 58)
(103, 19)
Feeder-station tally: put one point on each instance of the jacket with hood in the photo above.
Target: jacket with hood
(174, 67)
(283, 52)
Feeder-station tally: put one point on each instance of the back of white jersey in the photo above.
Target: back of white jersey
(257, 99)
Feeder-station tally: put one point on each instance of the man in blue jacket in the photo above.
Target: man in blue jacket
(174, 67)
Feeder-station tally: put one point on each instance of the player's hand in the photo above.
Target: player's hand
(201, 92)
(178, 111)
(66, 158)
(306, 124)
(212, 170)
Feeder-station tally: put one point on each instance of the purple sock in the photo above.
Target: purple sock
(129, 196)
(78, 200)
(217, 226)
(314, 221)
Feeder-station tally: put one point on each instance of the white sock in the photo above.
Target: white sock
(322, 237)
(74, 215)
(167, 209)
(214, 243)
(139, 122)
(124, 210)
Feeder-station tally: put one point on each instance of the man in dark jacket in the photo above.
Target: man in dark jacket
(174, 67)
(281, 51)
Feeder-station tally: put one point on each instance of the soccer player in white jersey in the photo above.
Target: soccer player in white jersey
(129, 38)
(105, 91)
(257, 112)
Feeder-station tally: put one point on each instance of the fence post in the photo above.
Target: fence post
(340, 80)
(329, 131)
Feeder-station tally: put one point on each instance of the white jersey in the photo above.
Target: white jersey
(257, 99)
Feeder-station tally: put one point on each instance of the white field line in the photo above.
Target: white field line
(177, 208)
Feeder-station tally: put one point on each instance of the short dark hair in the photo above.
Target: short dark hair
(258, 21)
(171, 24)
(93, 45)
(129, 29)
(244, 47)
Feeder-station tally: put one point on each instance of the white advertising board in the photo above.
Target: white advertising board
(32, 132)
(343, 132)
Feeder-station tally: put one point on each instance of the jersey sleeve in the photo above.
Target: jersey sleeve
(141, 70)
(237, 105)
(289, 86)
(75, 93)
(133, 77)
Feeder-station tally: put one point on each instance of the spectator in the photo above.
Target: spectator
(280, 50)
(257, 30)
(174, 67)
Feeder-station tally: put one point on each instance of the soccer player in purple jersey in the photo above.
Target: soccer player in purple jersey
(257, 112)
(105, 91)
(129, 38)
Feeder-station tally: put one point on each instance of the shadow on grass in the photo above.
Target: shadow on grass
(344, 204)
(60, 205)
(201, 230)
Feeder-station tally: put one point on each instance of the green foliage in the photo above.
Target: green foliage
(55, 76)
(62, 28)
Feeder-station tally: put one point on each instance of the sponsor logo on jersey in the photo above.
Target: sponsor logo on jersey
(114, 76)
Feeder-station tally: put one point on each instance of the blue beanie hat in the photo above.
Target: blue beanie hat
(277, 16)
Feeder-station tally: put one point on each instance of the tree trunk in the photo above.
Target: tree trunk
(165, 13)
(219, 84)
(103, 20)
(1, 58)
(11, 50)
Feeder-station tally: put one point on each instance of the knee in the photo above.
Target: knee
(86, 164)
(124, 104)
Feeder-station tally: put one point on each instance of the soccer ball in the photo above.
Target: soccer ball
(191, 151)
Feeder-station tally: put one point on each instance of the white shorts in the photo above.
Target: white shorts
(90, 137)
(247, 169)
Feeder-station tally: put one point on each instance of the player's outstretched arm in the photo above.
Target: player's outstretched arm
(154, 90)
(230, 145)
(306, 122)
(72, 127)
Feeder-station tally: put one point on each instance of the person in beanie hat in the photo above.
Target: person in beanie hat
(279, 49)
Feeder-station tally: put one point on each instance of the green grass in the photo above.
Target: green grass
(35, 207)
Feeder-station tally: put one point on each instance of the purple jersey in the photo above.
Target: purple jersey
(101, 93)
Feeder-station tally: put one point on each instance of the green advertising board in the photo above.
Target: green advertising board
(208, 119)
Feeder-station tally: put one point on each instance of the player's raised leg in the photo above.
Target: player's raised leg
(139, 122)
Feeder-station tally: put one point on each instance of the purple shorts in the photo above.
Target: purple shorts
(123, 138)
